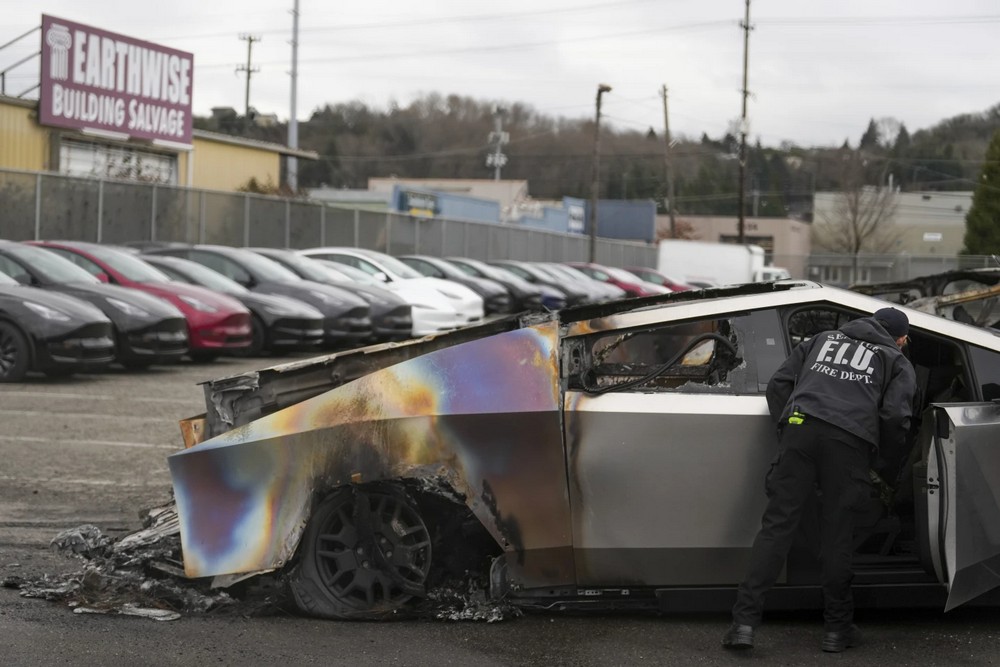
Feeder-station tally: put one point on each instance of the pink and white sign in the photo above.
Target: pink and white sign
(99, 80)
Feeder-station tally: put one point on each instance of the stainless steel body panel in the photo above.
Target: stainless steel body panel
(666, 489)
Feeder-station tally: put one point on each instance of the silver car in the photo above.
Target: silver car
(607, 456)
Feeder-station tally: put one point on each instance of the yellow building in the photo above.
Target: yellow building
(212, 161)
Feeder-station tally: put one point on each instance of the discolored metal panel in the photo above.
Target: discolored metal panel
(482, 417)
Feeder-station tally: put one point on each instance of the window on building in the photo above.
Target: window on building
(95, 160)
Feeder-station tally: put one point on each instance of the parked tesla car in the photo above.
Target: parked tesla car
(657, 278)
(391, 315)
(631, 283)
(49, 332)
(525, 296)
(216, 323)
(606, 456)
(467, 304)
(496, 298)
(346, 316)
(431, 312)
(600, 291)
(279, 323)
(147, 330)
(575, 295)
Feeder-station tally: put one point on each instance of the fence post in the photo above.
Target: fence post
(38, 206)
(201, 216)
(388, 234)
(100, 208)
(246, 220)
(444, 237)
(152, 217)
(288, 223)
(322, 224)
(357, 224)
(416, 237)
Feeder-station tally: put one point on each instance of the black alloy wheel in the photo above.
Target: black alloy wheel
(365, 554)
(14, 353)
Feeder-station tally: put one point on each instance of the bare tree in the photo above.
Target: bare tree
(862, 217)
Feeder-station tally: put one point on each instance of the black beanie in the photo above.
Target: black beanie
(893, 321)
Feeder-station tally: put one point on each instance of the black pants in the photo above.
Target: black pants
(810, 454)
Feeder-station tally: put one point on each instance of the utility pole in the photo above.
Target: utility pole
(293, 119)
(596, 186)
(667, 159)
(498, 138)
(249, 39)
(743, 122)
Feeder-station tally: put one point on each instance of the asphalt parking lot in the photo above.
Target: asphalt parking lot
(92, 449)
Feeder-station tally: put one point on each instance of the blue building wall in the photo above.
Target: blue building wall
(432, 204)
(550, 219)
(633, 220)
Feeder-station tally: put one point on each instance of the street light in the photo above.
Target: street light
(601, 89)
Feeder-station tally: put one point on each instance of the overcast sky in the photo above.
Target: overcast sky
(818, 70)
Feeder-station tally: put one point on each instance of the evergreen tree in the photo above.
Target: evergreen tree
(982, 223)
(870, 138)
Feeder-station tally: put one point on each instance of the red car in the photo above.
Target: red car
(631, 283)
(216, 323)
(657, 278)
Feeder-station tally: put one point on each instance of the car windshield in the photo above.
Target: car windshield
(131, 267)
(52, 267)
(344, 271)
(623, 275)
(306, 267)
(265, 268)
(394, 265)
(204, 276)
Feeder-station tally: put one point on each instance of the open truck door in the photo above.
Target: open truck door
(963, 499)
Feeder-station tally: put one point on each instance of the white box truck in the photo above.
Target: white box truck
(700, 264)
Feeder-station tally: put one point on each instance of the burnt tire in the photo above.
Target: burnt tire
(365, 554)
(15, 353)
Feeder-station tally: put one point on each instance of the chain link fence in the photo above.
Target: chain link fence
(35, 205)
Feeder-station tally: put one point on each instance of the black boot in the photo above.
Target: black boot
(738, 637)
(835, 642)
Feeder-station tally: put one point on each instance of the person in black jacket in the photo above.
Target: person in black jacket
(835, 399)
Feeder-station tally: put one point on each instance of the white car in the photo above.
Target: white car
(394, 274)
(430, 310)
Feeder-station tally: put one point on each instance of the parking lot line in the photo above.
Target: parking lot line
(46, 413)
(96, 397)
(84, 482)
(77, 441)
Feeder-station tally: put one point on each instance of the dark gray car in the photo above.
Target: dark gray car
(148, 330)
(279, 323)
(346, 317)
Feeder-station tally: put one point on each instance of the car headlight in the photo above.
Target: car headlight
(47, 312)
(326, 298)
(128, 308)
(198, 304)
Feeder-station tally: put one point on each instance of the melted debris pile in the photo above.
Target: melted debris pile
(140, 574)
(465, 599)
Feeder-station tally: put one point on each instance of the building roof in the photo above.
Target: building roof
(254, 143)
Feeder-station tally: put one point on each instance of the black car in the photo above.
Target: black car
(392, 317)
(496, 298)
(346, 317)
(524, 295)
(147, 330)
(278, 322)
(50, 332)
(575, 295)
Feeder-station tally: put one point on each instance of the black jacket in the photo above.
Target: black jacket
(855, 378)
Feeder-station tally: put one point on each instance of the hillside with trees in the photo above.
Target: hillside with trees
(446, 137)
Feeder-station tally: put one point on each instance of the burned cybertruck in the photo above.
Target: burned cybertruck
(607, 456)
